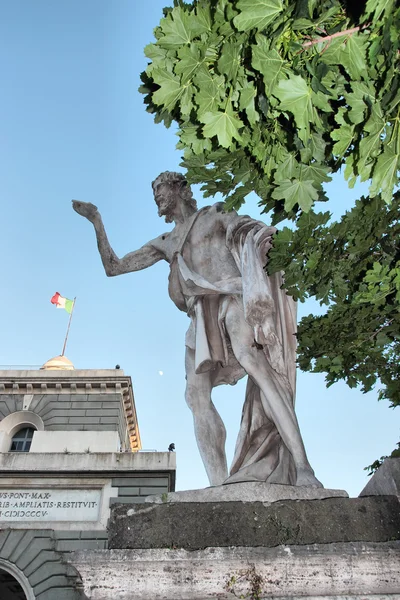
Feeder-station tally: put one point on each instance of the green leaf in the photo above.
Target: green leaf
(170, 89)
(315, 173)
(295, 192)
(378, 7)
(344, 136)
(385, 175)
(287, 169)
(267, 62)
(317, 146)
(190, 137)
(371, 143)
(295, 96)
(361, 98)
(190, 60)
(155, 53)
(176, 29)
(334, 82)
(186, 100)
(321, 101)
(256, 14)
(229, 62)
(243, 172)
(330, 51)
(225, 125)
(211, 90)
(235, 200)
(353, 56)
(300, 24)
(203, 17)
(247, 96)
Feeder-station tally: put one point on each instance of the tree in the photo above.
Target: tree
(274, 96)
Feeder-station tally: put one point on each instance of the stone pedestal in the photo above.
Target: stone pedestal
(197, 525)
(251, 491)
(291, 548)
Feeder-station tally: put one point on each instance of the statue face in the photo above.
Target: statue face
(166, 199)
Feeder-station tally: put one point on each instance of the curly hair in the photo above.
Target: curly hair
(178, 181)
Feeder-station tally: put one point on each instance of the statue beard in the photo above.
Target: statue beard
(166, 208)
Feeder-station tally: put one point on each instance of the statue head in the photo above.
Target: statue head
(170, 188)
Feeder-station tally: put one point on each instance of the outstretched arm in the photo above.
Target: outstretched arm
(134, 261)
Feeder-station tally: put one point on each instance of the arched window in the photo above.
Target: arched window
(22, 440)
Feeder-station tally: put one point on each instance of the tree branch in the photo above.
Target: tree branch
(380, 329)
(328, 38)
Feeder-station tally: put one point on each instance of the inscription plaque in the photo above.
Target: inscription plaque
(43, 504)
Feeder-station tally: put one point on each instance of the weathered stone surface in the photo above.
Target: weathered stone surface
(252, 491)
(201, 525)
(353, 571)
(118, 463)
(242, 321)
(385, 481)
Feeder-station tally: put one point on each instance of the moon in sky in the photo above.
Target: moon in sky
(161, 372)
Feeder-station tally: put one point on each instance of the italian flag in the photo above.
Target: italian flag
(62, 302)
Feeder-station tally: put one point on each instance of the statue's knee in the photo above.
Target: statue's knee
(248, 358)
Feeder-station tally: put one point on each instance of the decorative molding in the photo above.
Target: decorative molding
(80, 385)
(63, 387)
(13, 422)
(20, 549)
(131, 420)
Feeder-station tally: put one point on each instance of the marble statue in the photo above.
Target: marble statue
(241, 322)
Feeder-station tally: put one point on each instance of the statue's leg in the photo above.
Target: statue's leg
(208, 426)
(275, 396)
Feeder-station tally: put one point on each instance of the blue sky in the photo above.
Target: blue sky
(73, 125)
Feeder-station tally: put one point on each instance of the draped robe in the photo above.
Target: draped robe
(260, 454)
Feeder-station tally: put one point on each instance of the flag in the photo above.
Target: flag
(62, 302)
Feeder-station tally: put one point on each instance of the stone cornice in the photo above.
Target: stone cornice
(63, 386)
(77, 381)
(49, 463)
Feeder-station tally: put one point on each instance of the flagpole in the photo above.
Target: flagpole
(69, 325)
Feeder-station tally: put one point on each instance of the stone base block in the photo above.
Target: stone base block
(386, 480)
(200, 525)
(350, 570)
(253, 491)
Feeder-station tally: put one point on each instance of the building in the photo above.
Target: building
(69, 449)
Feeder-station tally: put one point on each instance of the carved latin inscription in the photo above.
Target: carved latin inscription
(49, 505)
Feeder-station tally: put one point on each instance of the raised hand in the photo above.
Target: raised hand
(85, 209)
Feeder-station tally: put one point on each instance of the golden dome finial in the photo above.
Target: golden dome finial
(61, 363)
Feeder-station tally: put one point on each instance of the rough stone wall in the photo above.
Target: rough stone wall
(352, 571)
(195, 526)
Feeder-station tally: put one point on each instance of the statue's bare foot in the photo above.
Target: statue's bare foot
(307, 477)
(85, 209)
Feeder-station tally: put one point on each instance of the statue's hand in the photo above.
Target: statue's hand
(85, 209)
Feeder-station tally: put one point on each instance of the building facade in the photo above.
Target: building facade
(69, 450)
